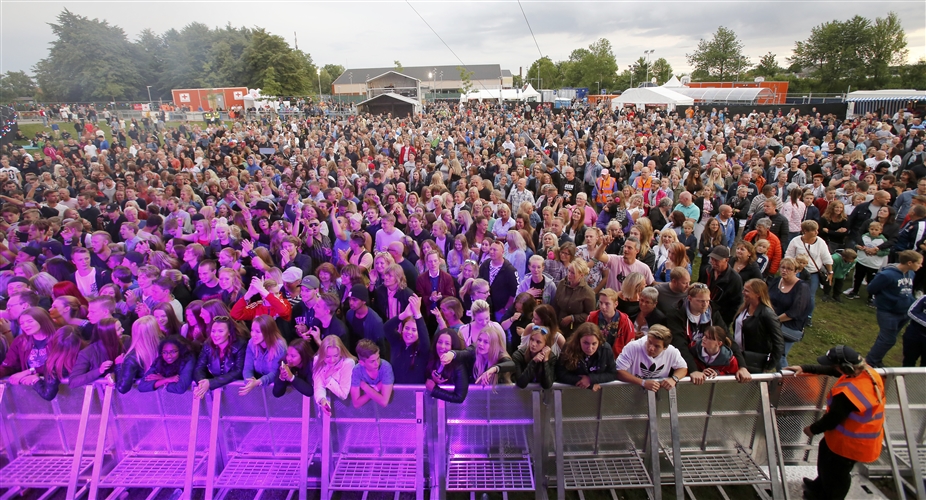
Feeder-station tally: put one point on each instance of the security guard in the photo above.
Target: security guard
(853, 426)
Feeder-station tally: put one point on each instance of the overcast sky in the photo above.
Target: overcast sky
(369, 34)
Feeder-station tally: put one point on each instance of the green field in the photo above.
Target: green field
(851, 323)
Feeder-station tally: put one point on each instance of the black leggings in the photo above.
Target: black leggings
(862, 273)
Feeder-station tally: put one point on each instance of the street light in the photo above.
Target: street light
(431, 77)
(648, 53)
(599, 87)
(631, 75)
(319, 83)
(149, 93)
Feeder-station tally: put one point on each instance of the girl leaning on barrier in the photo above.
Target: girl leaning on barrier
(264, 352)
(296, 370)
(332, 371)
(447, 371)
(63, 348)
(173, 367)
(131, 366)
(587, 360)
(536, 363)
(486, 360)
(98, 358)
(28, 352)
(221, 361)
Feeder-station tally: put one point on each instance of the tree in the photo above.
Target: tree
(89, 59)
(767, 67)
(517, 81)
(720, 58)
(291, 68)
(466, 77)
(639, 70)
(544, 73)
(330, 73)
(398, 66)
(854, 52)
(15, 84)
(662, 70)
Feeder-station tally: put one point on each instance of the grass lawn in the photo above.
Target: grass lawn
(851, 323)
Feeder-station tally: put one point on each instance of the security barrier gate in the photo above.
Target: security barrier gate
(722, 433)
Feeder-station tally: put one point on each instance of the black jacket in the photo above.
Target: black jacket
(600, 368)
(528, 372)
(302, 381)
(221, 371)
(467, 358)
(409, 362)
(505, 286)
(182, 367)
(779, 226)
(683, 334)
(726, 290)
(128, 373)
(762, 340)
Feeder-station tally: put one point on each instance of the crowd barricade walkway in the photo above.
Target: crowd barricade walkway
(264, 443)
(605, 439)
(375, 448)
(48, 444)
(96, 442)
(150, 440)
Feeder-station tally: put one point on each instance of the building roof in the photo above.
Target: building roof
(394, 72)
(886, 95)
(723, 94)
(393, 95)
(480, 72)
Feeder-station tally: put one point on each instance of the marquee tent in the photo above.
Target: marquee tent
(651, 96)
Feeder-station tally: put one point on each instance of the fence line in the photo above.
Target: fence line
(499, 439)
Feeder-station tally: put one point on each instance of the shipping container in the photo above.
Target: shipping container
(209, 99)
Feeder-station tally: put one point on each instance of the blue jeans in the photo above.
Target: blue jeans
(890, 325)
(814, 286)
(788, 345)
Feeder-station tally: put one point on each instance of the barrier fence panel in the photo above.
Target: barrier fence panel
(800, 402)
(48, 443)
(602, 438)
(489, 440)
(723, 433)
(904, 429)
(262, 440)
(373, 448)
(152, 440)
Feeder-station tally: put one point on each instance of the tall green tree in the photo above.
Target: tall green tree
(662, 70)
(15, 84)
(856, 52)
(330, 73)
(466, 79)
(89, 59)
(767, 67)
(719, 58)
(543, 73)
(293, 70)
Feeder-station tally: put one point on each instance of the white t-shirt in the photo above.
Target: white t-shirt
(635, 360)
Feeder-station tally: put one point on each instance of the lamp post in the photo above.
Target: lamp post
(431, 76)
(648, 53)
(149, 93)
(599, 87)
(631, 75)
(319, 70)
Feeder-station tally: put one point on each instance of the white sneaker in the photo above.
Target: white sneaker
(849, 291)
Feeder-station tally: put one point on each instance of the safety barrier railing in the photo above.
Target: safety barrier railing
(490, 442)
(500, 439)
(151, 440)
(375, 448)
(48, 444)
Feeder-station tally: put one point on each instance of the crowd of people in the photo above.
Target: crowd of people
(466, 245)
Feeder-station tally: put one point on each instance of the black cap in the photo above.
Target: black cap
(31, 251)
(840, 355)
(359, 292)
(54, 246)
(262, 205)
(112, 207)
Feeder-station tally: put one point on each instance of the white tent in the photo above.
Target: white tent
(882, 101)
(526, 94)
(651, 96)
(529, 93)
(673, 83)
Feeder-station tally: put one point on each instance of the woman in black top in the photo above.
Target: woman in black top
(63, 348)
(173, 367)
(535, 363)
(743, 261)
(587, 360)
(834, 225)
(409, 344)
(296, 370)
(447, 372)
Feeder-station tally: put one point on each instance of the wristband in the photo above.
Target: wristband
(643, 383)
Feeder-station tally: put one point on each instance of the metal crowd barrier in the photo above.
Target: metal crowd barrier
(48, 444)
(500, 439)
(150, 440)
(373, 448)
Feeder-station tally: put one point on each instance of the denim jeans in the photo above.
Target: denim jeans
(788, 345)
(814, 286)
(890, 325)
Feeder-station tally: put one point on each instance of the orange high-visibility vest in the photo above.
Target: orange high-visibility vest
(604, 190)
(860, 437)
